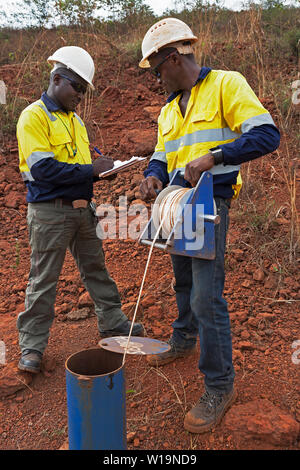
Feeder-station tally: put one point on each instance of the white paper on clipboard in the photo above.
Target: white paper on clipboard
(119, 166)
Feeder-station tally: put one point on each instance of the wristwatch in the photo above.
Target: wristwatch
(218, 156)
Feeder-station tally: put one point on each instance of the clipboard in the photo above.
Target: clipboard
(122, 166)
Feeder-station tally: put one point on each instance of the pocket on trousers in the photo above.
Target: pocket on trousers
(47, 232)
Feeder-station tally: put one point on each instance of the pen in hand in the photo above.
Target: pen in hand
(98, 151)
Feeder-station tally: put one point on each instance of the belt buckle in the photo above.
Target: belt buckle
(79, 204)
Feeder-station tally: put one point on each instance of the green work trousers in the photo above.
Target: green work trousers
(54, 227)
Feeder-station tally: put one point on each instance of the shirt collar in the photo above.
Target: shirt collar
(202, 74)
(50, 104)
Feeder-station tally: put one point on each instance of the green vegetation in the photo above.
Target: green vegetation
(262, 42)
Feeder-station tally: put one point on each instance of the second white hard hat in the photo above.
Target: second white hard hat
(76, 59)
(166, 32)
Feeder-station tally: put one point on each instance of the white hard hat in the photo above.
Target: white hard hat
(76, 59)
(167, 32)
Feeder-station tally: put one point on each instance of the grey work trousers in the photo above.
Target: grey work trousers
(54, 228)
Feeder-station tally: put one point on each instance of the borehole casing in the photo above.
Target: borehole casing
(96, 400)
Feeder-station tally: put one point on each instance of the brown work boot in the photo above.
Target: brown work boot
(30, 361)
(174, 353)
(208, 412)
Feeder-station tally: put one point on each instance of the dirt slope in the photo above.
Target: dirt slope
(263, 302)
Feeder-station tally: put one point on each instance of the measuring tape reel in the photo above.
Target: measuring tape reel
(185, 218)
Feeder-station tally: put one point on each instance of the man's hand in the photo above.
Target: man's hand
(102, 164)
(148, 187)
(194, 169)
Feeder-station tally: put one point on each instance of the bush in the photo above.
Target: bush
(292, 38)
(133, 50)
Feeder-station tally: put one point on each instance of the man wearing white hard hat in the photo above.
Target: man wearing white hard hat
(214, 122)
(56, 166)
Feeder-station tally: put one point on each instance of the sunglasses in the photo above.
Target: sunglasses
(155, 71)
(78, 87)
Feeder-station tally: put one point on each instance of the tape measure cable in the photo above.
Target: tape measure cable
(169, 204)
(141, 289)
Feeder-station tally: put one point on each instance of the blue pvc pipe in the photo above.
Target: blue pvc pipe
(96, 400)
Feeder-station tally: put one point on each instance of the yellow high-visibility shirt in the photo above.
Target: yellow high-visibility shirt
(220, 109)
(43, 134)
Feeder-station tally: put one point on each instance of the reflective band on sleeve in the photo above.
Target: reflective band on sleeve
(206, 135)
(37, 156)
(161, 156)
(265, 118)
(215, 170)
(27, 176)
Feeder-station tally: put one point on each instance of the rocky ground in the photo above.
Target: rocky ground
(262, 293)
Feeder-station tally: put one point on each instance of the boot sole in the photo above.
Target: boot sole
(204, 428)
(110, 335)
(161, 362)
(32, 370)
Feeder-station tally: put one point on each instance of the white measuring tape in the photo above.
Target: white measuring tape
(169, 209)
(165, 212)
